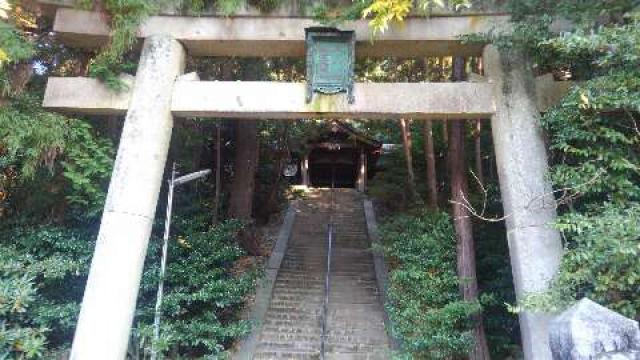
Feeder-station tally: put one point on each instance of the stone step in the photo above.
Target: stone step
(308, 326)
(354, 347)
(271, 354)
(294, 304)
(381, 354)
(289, 347)
(313, 321)
(286, 339)
(354, 321)
(312, 331)
(285, 288)
(295, 317)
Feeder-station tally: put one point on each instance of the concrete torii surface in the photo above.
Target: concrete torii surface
(507, 95)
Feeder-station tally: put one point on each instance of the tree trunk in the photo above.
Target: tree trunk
(114, 125)
(245, 166)
(478, 151)
(445, 135)
(406, 142)
(19, 77)
(477, 132)
(81, 66)
(216, 199)
(226, 74)
(430, 159)
(281, 158)
(244, 179)
(466, 260)
(246, 161)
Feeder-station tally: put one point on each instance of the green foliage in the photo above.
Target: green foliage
(224, 7)
(126, 17)
(599, 50)
(14, 46)
(13, 49)
(384, 12)
(332, 16)
(384, 186)
(594, 144)
(265, 6)
(204, 289)
(597, 160)
(17, 338)
(495, 278)
(600, 263)
(427, 313)
(87, 168)
(525, 35)
(580, 11)
(32, 138)
(42, 272)
(604, 33)
(228, 7)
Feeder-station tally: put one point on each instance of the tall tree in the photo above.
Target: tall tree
(407, 145)
(218, 190)
(246, 162)
(225, 73)
(441, 75)
(245, 166)
(466, 259)
(281, 157)
(477, 141)
(430, 159)
(477, 131)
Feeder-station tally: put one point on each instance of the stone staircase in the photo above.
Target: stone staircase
(292, 327)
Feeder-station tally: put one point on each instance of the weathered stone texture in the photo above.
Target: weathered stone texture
(269, 100)
(630, 355)
(110, 296)
(590, 331)
(535, 247)
(286, 100)
(283, 36)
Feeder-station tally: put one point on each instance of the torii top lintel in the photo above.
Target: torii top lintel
(284, 36)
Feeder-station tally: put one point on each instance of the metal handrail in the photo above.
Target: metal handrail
(173, 183)
(327, 279)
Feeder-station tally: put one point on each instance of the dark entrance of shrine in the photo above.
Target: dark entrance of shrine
(337, 168)
(340, 156)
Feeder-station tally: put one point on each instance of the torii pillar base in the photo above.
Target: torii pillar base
(535, 247)
(110, 296)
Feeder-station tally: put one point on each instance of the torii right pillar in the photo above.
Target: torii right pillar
(535, 246)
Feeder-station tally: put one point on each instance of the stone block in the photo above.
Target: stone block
(629, 355)
(590, 331)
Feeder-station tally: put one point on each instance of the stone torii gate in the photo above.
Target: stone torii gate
(509, 95)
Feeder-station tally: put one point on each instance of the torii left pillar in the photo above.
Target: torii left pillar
(110, 296)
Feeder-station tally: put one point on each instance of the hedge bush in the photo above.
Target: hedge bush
(43, 271)
(428, 315)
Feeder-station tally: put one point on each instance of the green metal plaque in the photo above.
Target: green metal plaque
(330, 61)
